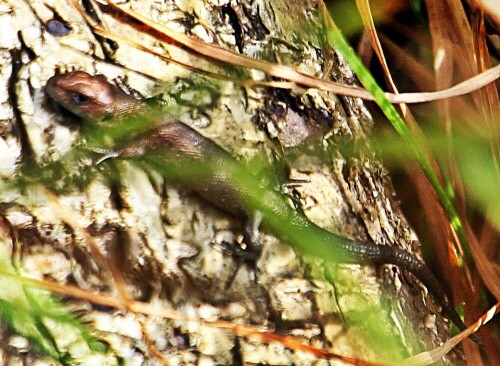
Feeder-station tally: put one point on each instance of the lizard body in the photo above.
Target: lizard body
(175, 145)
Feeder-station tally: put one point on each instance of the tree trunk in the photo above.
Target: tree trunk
(171, 246)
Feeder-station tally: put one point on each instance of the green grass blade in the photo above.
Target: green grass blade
(336, 40)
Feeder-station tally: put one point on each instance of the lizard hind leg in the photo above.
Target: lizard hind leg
(249, 251)
(251, 236)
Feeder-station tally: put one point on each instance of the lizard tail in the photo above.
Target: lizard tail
(412, 264)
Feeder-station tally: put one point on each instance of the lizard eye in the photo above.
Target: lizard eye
(80, 99)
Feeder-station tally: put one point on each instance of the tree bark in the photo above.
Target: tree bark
(171, 246)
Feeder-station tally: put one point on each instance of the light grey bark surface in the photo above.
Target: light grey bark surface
(170, 245)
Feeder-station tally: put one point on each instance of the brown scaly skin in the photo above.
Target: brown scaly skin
(175, 145)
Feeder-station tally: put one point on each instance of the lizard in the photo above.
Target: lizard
(175, 149)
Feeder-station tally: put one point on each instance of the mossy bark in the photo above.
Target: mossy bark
(171, 246)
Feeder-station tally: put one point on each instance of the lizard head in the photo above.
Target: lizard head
(87, 96)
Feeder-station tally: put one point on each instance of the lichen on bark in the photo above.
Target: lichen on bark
(171, 246)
